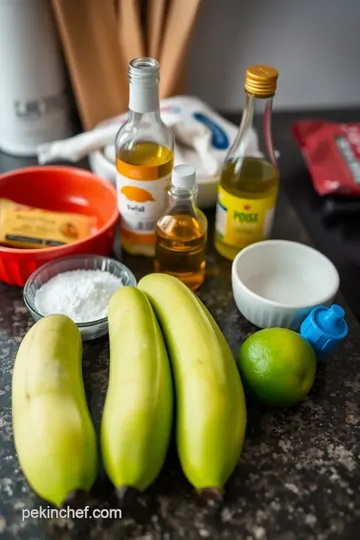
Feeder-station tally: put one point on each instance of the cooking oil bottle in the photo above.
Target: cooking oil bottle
(249, 182)
(181, 233)
(144, 160)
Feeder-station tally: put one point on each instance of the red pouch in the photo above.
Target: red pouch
(332, 154)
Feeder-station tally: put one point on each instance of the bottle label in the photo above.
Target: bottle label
(23, 226)
(241, 222)
(142, 194)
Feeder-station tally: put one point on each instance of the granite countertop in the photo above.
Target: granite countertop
(298, 477)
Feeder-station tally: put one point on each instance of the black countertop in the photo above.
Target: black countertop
(298, 477)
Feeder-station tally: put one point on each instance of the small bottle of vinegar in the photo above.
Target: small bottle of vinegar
(181, 233)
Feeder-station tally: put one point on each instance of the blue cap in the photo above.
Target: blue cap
(324, 328)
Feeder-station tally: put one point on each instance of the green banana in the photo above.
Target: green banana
(211, 409)
(138, 410)
(53, 433)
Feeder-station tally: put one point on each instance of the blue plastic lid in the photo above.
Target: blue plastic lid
(324, 328)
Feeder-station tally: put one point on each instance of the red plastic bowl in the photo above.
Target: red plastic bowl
(66, 189)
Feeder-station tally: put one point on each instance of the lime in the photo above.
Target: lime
(277, 366)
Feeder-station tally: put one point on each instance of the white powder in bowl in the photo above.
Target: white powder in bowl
(82, 295)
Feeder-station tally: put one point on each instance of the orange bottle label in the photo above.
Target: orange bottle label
(142, 193)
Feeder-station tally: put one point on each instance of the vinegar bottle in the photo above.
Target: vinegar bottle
(249, 183)
(144, 160)
(181, 232)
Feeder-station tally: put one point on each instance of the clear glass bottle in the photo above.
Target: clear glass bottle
(249, 182)
(144, 160)
(181, 233)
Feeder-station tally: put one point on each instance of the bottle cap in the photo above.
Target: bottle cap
(144, 71)
(184, 176)
(261, 80)
(324, 328)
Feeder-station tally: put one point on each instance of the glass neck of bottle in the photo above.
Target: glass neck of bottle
(183, 201)
(144, 102)
(258, 114)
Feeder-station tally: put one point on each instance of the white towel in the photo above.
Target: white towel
(202, 138)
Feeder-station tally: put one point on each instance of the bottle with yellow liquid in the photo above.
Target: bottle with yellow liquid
(181, 233)
(249, 183)
(144, 160)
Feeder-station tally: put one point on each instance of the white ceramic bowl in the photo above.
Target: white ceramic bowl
(275, 283)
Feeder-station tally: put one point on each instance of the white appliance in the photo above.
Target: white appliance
(34, 106)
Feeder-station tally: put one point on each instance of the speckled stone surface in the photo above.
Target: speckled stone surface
(299, 474)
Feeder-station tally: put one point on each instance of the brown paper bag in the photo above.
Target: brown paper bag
(131, 37)
(180, 22)
(100, 38)
(155, 22)
(89, 34)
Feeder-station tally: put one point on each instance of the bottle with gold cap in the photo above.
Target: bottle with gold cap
(249, 180)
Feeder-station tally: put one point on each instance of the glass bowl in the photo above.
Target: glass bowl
(88, 330)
